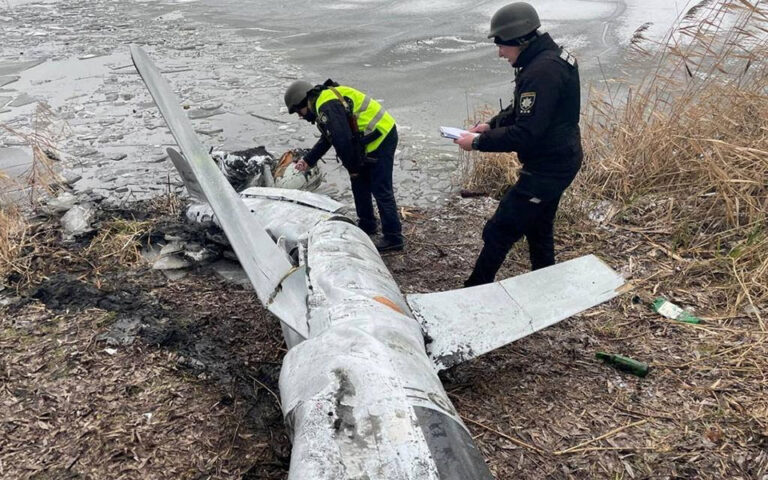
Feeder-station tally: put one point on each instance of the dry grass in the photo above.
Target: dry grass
(17, 239)
(13, 240)
(170, 204)
(491, 173)
(544, 407)
(117, 245)
(29, 249)
(41, 178)
(683, 153)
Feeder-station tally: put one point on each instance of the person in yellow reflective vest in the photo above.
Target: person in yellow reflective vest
(364, 136)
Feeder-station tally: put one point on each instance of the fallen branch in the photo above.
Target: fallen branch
(517, 442)
(601, 437)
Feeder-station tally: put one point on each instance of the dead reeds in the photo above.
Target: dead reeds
(41, 177)
(685, 153)
(17, 238)
(489, 173)
(30, 248)
(682, 153)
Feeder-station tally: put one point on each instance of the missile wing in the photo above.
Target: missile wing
(465, 323)
(266, 265)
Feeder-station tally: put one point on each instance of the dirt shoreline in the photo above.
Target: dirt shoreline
(194, 394)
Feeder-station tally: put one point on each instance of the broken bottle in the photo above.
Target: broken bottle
(668, 309)
(625, 364)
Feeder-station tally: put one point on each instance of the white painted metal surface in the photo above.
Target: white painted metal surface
(361, 376)
(264, 263)
(463, 324)
(301, 197)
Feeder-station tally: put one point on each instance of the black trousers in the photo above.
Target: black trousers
(518, 214)
(375, 179)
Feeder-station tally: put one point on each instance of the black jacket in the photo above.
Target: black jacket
(542, 123)
(335, 131)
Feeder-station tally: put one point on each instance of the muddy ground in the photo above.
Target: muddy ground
(124, 373)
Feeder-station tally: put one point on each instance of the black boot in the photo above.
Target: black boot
(389, 243)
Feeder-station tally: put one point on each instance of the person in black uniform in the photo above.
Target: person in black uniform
(365, 137)
(542, 126)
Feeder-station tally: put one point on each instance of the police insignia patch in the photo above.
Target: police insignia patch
(527, 100)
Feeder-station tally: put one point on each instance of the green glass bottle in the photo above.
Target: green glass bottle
(670, 310)
(625, 364)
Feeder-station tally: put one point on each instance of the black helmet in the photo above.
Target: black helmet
(513, 21)
(296, 95)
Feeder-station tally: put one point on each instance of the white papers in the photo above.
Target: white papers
(452, 132)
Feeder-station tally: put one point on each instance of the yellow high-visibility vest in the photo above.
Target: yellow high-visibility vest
(369, 113)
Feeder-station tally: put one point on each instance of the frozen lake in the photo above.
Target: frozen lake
(428, 61)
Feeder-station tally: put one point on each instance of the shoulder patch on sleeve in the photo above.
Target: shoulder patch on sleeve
(527, 101)
(567, 57)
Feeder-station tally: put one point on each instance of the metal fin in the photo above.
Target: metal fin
(466, 323)
(300, 197)
(193, 186)
(264, 263)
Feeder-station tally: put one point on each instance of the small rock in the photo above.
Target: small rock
(200, 113)
(232, 272)
(211, 105)
(77, 220)
(61, 204)
(171, 262)
(175, 275)
(69, 178)
(151, 253)
(158, 157)
(191, 362)
(171, 248)
(202, 255)
(210, 132)
(6, 301)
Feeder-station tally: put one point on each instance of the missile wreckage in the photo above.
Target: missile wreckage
(359, 387)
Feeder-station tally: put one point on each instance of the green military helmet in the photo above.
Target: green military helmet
(296, 95)
(514, 21)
